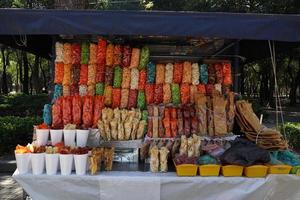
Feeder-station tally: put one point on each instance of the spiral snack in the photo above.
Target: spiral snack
(110, 55)
(135, 58)
(160, 74)
(118, 51)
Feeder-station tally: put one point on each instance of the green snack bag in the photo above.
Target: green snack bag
(144, 58)
(99, 88)
(85, 53)
(175, 94)
(141, 102)
(117, 77)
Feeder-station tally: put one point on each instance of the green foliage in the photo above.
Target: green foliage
(16, 130)
(292, 131)
(22, 105)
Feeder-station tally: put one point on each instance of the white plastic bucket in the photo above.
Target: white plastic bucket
(23, 162)
(52, 163)
(69, 137)
(82, 137)
(80, 163)
(66, 162)
(38, 163)
(42, 136)
(56, 136)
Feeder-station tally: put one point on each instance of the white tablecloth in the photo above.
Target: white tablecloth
(149, 186)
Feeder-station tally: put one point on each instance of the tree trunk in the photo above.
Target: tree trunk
(294, 87)
(37, 86)
(26, 73)
(5, 63)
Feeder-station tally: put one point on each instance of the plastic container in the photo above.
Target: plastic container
(209, 170)
(256, 171)
(66, 163)
(42, 136)
(52, 163)
(38, 163)
(23, 162)
(69, 137)
(186, 169)
(232, 170)
(80, 164)
(82, 137)
(296, 170)
(279, 169)
(56, 136)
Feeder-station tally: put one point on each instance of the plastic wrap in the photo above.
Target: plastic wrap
(150, 127)
(93, 53)
(67, 110)
(167, 98)
(187, 127)
(227, 80)
(109, 54)
(126, 78)
(219, 107)
(85, 53)
(141, 101)
(83, 89)
(132, 99)
(175, 94)
(58, 91)
(173, 123)
(230, 111)
(194, 125)
(185, 93)
(209, 89)
(118, 51)
(169, 73)
(134, 79)
(155, 127)
(195, 74)
(67, 74)
(57, 115)
(99, 88)
(177, 73)
(75, 74)
(167, 127)
(144, 58)
(151, 72)
(59, 51)
(76, 110)
(149, 92)
(142, 79)
(218, 88)
(74, 89)
(109, 75)
(179, 122)
(193, 91)
(83, 75)
(76, 53)
(66, 90)
(201, 88)
(59, 72)
(124, 98)
(98, 106)
(117, 77)
(211, 74)
(126, 56)
(210, 118)
(108, 95)
(160, 74)
(91, 90)
(47, 117)
(187, 72)
(203, 74)
(135, 58)
(100, 73)
(92, 74)
(101, 52)
(67, 53)
(87, 111)
(116, 100)
(158, 94)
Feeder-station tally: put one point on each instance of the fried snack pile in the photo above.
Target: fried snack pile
(190, 146)
(249, 123)
(100, 155)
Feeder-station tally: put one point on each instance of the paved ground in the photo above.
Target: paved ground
(9, 189)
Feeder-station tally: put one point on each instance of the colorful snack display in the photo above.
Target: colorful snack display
(66, 90)
(100, 73)
(141, 101)
(187, 72)
(203, 74)
(126, 56)
(75, 74)
(201, 88)
(135, 58)
(195, 74)
(98, 106)
(83, 75)
(211, 74)
(193, 91)
(149, 92)
(57, 113)
(134, 79)
(108, 95)
(83, 90)
(85, 53)
(177, 73)
(132, 100)
(59, 72)
(151, 72)
(59, 50)
(109, 75)
(76, 110)
(67, 74)
(218, 88)
(74, 89)
(101, 52)
(158, 94)
(142, 79)
(144, 58)
(124, 98)
(117, 77)
(169, 73)
(118, 51)
(175, 94)
(91, 90)
(58, 91)
(92, 74)
(116, 97)
(227, 80)
(75, 53)
(167, 94)
(67, 110)
(99, 88)
(47, 117)
(126, 78)
(109, 54)
(67, 53)
(93, 53)
(185, 93)
(87, 111)
(160, 74)
(210, 88)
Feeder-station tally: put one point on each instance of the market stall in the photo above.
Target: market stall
(149, 97)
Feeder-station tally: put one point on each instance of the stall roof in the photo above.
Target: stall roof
(151, 23)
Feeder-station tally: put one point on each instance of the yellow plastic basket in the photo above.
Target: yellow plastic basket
(256, 171)
(232, 170)
(279, 169)
(186, 169)
(209, 170)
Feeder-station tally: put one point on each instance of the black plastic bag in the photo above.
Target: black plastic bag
(245, 153)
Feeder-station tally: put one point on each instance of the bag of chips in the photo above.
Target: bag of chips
(211, 74)
(201, 110)
(175, 94)
(75, 74)
(167, 98)
(116, 100)
(59, 51)
(93, 53)
(91, 90)
(209, 89)
(83, 89)
(99, 88)
(101, 52)
(141, 101)
(67, 110)
(158, 94)
(135, 58)
(169, 73)
(67, 74)
(177, 73)
(59, 72)
(124, 98)
(67, 53)
(218, 88)
(57, 115)
(118, 51)
(151, 72)
(110, 55)
(98, 106)
(83, 75)
(85, 54)
(134, 79)
(144, 59)
(195, 74)
(173, 123)
(187, 72)
(100, 73)
(142, 79)
(132, 100)
(117, 76)
(74, 89)
(76, 110)
(126, 56)
(203, 74)
(126, 78)
(108, 95)
(109, 75)
(47, 114)
(227, 74)
(185, 93)
(219, 72)
(58, 91)
(150, 127)
(160, 74)
(149, 93)
(76, 53)
(66, 90)
(193, 91)
(91, 74)
(201, 89)
(87, 111)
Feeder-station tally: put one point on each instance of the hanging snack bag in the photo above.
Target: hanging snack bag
(98, 106)
(175, 94)
(177, 73)
(134, 79)
(187, 72)
(75, 53)
(126, 56)
(132, 100)
(185, 93)
(100, 73)
(91, 74)
(57, 114)
(126, 78)
(227, 74)
(93, 53)
(135, 58)
(219, 108)
(117, 77)
(211, 74)
(91, 90)
(167, 94)
(74, 89)
(67, 74)
(141, 102)
(110, 55)
(66, 90)
(169, 73)
(160, 74)
(151, 72)
(142, 79)
(116, 97)
(158, 94)
(193, 91)
(59, 72)
(108, 95)
(67, 53)
(83, 89)
(201, 89)
(83, 75)
(101, 52)
(59, 51)
(99, 88)
(201, 109)
(109, 75)
(118, 51)
(58, 91)
(124, 98)
(219, 72)
(144, 58)
(75, 74)
(87, 111)
(67, 110)
(76, 110)
(85, 53)
(195, 74)
(203, 74)
(149, 92)
(47, 117)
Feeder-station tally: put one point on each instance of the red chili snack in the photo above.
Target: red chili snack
(158, 94)
(177, 73)
(101, 52)
(83, 75)
(87, 111)
(149, 92)
(98, 106)
(76, 110)
(185, 93)
(116, 97)
(142, 79)
(57, 114)
(67, 110)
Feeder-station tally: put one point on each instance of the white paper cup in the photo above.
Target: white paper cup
(38, 163)
(69, 137)
(42, 136)
(23, 162)
(66, 162)
(52, 163)
(56, 136)
(82, 137)
(80, 164)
